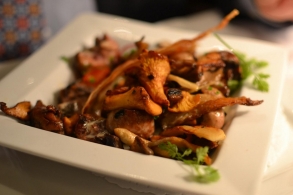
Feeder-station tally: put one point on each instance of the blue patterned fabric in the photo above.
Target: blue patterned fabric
(21, 27)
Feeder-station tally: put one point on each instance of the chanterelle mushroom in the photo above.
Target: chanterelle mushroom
(19, 111)
(187, 103)
(209, 133)
(135, 98)
(154, 69)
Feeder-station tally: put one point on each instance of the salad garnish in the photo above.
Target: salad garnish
(201, 174)
(250, 68)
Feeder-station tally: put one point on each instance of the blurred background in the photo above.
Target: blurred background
(26, 24)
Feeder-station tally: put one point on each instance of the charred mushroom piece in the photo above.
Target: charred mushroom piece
(93, 129)
(211, 61)
(137, 121)
(70, 108)
(153, 73)
(215, 78)
(77, 91)
(135, 98)
(184, 65)
(105, 138)
(46, 117)
(19, 111)
(219, 68)
(174, 95)
(232, 68)
(87, 127)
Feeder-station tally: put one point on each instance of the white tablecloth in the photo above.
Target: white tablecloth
(21, 173)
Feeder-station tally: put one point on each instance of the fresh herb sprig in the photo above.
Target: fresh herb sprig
(250, 67)
(66, 59)
(202, 174)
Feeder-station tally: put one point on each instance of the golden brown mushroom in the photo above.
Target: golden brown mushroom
(153, 72)
(135, 98)
(19, 111)
(209, 133)
(207, 104)
(187, 103)
(218, 103)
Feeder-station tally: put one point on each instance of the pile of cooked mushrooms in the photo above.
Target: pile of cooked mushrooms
(147, 97)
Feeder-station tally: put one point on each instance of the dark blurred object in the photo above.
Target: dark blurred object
(155, 10)
(21, 28)
(151, 10)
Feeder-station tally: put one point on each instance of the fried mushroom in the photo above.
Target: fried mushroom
(19, 111)
(216, 104)
(153, 71)
(209, 133)
(174, 95)
(135, 98)
(187, 103)
(46, 117)
(206, 105)
(91, 128)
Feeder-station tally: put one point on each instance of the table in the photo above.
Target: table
(22, 173)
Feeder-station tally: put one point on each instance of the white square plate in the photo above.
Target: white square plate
(241, 159)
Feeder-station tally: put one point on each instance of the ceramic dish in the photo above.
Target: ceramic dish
(241, 158)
